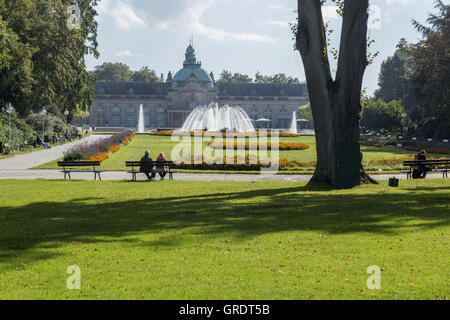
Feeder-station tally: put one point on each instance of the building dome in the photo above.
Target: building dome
(191, 67)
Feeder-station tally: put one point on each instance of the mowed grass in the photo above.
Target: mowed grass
(156, 144)
(223, 240)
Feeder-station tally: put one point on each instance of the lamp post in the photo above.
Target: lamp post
(404, 115)
(66, 113)
(9, 110)
(43, 113)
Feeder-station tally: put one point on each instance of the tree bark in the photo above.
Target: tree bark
(336, 104)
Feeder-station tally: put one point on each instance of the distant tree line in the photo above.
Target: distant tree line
(121, 72)
(416, 79)
(229, 77)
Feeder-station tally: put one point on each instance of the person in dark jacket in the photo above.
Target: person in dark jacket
(147, 168)
(161, 169)
(40, 142)
(422, 168)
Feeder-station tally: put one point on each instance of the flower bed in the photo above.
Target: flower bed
(99, 150)
(428, 150)
(256, 146)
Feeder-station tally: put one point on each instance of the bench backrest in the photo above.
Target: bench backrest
(78, 163)
(429, 162)
(151, 163)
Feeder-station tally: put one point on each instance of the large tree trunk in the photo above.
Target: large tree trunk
(336, 104)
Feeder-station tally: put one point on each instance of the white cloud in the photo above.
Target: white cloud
(126, 18)
(279, 23)
(396, 2)
(128, 53)
(175, 15)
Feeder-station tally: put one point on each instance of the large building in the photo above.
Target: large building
(168, 104)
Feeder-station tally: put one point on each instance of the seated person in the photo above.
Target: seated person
(147, 168)
(422, 168)
(40, 142)
(161, 169)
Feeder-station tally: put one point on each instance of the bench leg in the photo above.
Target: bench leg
(99, 177)
(170, 176)
(70, 178)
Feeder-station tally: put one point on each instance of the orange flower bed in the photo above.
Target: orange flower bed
(254, 146)
(114, 149)
(101, 156)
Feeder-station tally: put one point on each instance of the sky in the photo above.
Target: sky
(242, 36)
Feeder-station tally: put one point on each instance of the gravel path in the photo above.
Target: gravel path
(36, 158)
(117, 176)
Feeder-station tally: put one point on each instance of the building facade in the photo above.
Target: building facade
(168, 104)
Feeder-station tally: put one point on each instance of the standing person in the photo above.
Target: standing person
(147, 168)
(161, 169)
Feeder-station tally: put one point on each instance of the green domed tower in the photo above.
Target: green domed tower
(191, 67)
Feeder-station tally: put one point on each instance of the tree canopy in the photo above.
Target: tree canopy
(42, 60)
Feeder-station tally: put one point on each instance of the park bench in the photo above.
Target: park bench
(135, 167)
(435, 165)
(68, 168)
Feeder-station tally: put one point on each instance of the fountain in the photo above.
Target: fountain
(141, 127)
(216, 118)
(293, 128)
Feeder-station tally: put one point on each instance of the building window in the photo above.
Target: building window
(131, 117)
(115, 116)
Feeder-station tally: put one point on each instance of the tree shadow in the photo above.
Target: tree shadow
(27, 231)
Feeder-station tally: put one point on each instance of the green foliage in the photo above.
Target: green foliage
(113, 72)
(378, 114)
(145, 75)
(43, 61)
(305, 112)
(15, 132)
(228, 77)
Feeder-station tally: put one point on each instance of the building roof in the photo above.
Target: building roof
(131, 88)
(262, 89)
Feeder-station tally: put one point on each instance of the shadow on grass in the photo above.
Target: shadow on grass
(239, 215)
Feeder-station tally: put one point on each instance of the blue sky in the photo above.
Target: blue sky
(243, 36)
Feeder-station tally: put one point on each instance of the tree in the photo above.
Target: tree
(432, 57)
(146, 75)
(228, 77)
(113, 72)
(378, 114)
(304, 112)
(396, 81)
(47, 59)
(277, 78)
(336, 103)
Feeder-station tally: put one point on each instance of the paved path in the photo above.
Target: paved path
(36, 158)
(117, 175)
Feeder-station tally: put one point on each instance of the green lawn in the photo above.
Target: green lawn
(156, 144)
(223, 240)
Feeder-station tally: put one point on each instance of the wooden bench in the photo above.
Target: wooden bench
(138, 164)
(68, 168)
(435, 165)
